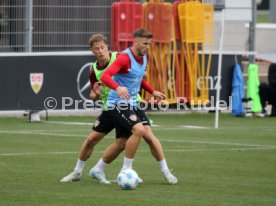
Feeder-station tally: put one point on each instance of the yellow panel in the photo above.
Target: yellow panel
(191, 19)
(208, 23)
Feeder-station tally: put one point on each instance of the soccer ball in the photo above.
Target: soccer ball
(128, 179)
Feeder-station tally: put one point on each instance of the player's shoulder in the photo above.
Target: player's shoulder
(91, 71)
(122, 55)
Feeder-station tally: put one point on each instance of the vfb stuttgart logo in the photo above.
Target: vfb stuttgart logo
(36, 81)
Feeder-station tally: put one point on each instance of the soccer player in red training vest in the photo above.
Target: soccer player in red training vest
(104, 123)
(128, 71)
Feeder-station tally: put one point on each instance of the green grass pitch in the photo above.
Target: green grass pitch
(233, 165)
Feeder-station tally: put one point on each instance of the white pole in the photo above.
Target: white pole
(28, 25)
(219, 70)
(252, 32)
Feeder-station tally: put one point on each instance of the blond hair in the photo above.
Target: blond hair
(97, 38)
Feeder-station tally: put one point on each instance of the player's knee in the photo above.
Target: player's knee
(148, 138)
(148, 135)
(121, 144)
(138, 130)
(148, 131)
(90, 143)
(92, 140)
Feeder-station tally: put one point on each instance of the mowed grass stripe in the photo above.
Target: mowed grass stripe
(161, 139)
(166, 150)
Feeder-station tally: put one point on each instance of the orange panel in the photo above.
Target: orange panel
(176, 20)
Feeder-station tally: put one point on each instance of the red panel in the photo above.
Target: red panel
(126, 18)
(114, 13)
(158, 20)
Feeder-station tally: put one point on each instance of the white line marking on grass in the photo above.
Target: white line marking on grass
(155, 125)
(248, 127)
(219, 149)
(192, 127)
(68, 123)
(42, 153)
(169, 150)
(182, 127)
(91, 124)
(40, 133)
(158, 127)
(81, 123)
(162, 140)
(218, 143)
(56, 130)
(179, 127)
(35, 153)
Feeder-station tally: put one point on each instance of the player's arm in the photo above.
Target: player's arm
(149, 89)
(120, 65)
(96, 91)
(96, 87)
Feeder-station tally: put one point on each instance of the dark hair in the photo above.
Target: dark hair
(142, 33)
(97, 38)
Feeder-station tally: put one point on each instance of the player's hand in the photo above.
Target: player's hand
(159, 94)
(97, 87)
(122, 92)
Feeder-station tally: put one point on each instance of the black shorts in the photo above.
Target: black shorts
(104, 123)
(121, 132)
(125, 118)
(142, 116)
